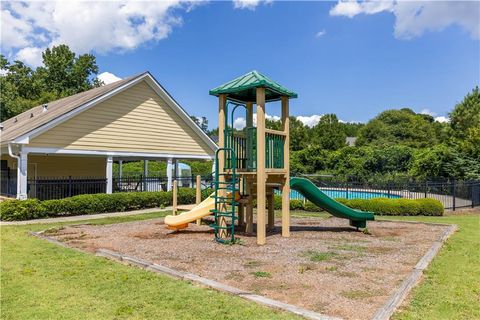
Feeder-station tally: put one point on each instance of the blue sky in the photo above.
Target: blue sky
(354, 61)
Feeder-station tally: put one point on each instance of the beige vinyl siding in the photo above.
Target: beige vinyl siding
(135, 120)
(65, 166)
(11, 162)
(61, 166)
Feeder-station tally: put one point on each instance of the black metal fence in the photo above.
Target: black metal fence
(453, 194)
(8, 182)
(57, 188)
(46, 188)
(132, 183)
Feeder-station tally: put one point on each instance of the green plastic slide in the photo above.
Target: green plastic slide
(316, 196)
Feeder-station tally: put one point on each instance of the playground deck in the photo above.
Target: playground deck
(324, 266)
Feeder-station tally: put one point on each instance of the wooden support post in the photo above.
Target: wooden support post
(286, 165)
(249, 106)
(241, 215)
(174, 201)
(261, 176)
(241, 206)
(249, 211)
(222, 105)
(271, 209)
(198, 195)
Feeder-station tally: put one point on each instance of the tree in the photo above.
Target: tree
(436, 162)
(399, 127)
(63, 73)
(201, 122)
(299, 138)
(309, 160)
(328, 133)
(465, 124)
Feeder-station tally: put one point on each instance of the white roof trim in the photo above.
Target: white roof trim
(151, 81)
(157, 87)
(37, 150)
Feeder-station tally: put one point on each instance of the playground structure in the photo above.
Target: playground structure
(252, 162)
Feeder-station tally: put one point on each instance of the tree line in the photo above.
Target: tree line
(396, 144)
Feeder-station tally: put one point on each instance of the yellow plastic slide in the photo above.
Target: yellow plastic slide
(181, 221)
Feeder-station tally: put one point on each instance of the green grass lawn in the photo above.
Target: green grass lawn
(451, 285)
(40, 280)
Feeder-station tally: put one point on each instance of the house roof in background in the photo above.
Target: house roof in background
(40, 115)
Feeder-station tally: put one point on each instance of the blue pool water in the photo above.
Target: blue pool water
(335, 193)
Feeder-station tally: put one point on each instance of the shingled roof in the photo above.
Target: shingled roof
(43, 114)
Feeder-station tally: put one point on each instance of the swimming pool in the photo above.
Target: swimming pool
(348, 194)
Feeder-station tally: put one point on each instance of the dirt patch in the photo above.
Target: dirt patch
(325, 266)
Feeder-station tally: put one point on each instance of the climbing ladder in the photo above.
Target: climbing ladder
(226, 193)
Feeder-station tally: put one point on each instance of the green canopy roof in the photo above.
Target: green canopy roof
(244, 88)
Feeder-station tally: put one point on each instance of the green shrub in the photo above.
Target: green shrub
(397, 207)
(296, 204)
(309, 206)
(430, 207)
(11, 210)
(277, 202)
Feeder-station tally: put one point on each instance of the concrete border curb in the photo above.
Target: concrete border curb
(384, 313)
(396, 299)
(109, 254)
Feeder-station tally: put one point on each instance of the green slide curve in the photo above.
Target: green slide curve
(316, 196)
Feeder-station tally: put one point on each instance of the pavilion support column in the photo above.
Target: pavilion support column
(169, 174)
(222, 114)
(261, 175)
(22, 175)
(286, 166)
(145, 175)
(109, 174)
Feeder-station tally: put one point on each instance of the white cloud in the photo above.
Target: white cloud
(108, 77)
(86, 26)
(442, 119)
(310, 121)
(413, 18)
(249, 4)
(428, 111)
(30, 55)
(240, 122)
(321, 33)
